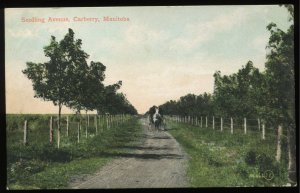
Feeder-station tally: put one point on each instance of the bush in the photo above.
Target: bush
(250, 157)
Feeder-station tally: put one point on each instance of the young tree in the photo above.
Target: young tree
(49, 79)
(60, 79)
(280, 79)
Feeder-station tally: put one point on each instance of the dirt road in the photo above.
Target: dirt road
(158, 163)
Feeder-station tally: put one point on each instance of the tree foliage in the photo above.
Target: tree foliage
(68, 80)
(189, 104)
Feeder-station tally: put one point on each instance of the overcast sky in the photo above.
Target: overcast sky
(160, 54)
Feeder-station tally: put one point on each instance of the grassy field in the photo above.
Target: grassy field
(40, 165)
(221, 159)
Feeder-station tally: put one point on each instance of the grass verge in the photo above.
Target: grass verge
(222, 159)
(40, 166)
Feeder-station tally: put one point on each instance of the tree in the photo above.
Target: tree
(60, 79)
(236, 94)
(280, 84)
(49, 79)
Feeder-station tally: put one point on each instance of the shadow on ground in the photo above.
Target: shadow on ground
(143, 148)
(141, 156)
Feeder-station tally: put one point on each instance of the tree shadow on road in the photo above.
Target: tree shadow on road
(143, 148)
(160, 137)
(142, 156)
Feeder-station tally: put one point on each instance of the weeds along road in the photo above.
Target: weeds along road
(158, 163)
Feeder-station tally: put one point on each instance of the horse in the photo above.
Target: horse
(155, 119)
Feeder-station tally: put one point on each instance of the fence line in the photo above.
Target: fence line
(111, 121)
(256, 125)
(244, 123)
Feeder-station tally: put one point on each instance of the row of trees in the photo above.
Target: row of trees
(189, 104)
(68, 80)
(269, 95)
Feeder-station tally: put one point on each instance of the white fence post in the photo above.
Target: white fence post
(25, 133)
(263, 131)
(201, 121)
(221, 124)
(51, 130)
(206, 122)
(78, 132)
(100, 122)
(67, 126)
(231, 125)
(96, 123)
(86, 131)
(245, 126)
(213, 122)
(106, 121)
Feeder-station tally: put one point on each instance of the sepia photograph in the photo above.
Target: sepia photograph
(131, 97)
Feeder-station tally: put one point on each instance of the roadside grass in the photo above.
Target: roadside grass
(222, 159)
(40, 165)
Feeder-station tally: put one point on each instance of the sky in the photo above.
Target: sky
(159, 53)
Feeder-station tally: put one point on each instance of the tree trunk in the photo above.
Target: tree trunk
(51, 130)
(58, 125)
(278, 152)
(292, 175)
(86, 123)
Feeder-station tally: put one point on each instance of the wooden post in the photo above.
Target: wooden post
(67, 126)
(86, 133)
(231, 125)
(78, 132)
(197, 121)
(278, 151)
(205, 122)
(201, 121)
(51, 130)
(213, 123)
(221, 124)
(100, 122)
(106, 121)
(245, 126)
(258, 122)
(263, 131)
(111, 121)
(96, 125)
(25, 133)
